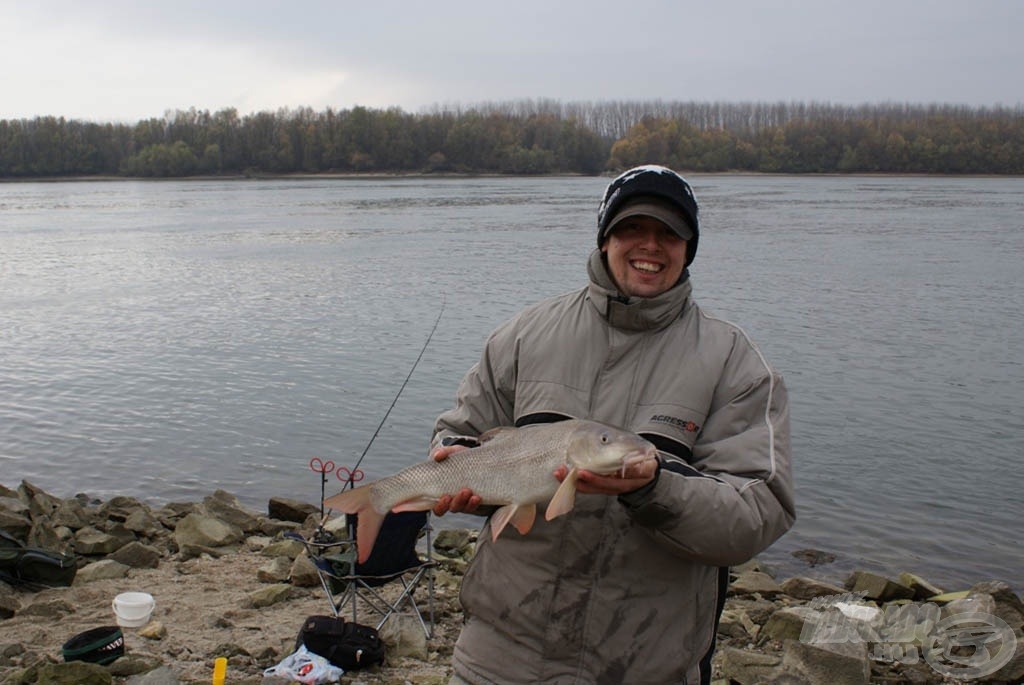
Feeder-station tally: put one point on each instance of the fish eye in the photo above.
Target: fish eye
(604, 438)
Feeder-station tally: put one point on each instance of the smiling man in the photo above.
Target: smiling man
(628, 586)
(645, 242)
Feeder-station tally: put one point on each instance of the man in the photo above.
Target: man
(627, 587)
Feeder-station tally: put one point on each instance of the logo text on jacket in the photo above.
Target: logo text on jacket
(688, 426)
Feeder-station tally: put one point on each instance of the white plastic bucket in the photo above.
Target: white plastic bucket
(133, 609)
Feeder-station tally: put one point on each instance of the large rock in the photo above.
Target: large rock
(755, 583)
(453, 542)
(404, 637)
(14, 505)
(226, 507)
(284, 548)
(197, 530)
(158, 676)
(71, 514)
(303, 572)
(275, 571)
(40, 502)
(829, 664)
(48, 607)
(1008, 606)
(270, 595)
(876, 587)
(1013, 671)
(973, 603)
(749, 667)
(15, 524)
(137, 555)
(735, 623)
(43, 535)
(921, 587)
(759, 610)
(273, 527)
(787, 623)
(284, 509)
(90, 541)
(132, 664)
(143, 522)
(808, 588)
(119, 509)
(105, 569)
(74, 673)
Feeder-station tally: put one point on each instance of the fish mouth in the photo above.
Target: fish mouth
(638, 456)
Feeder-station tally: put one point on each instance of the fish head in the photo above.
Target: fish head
(603, 449)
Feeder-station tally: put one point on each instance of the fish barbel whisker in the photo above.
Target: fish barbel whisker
(637, 457)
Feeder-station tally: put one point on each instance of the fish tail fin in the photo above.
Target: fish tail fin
(366, 532)
(565, 497)
(357, 501)
(350, 501)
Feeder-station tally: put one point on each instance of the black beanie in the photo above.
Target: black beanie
(652, 181)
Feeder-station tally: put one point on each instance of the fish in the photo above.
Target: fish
(512, 469)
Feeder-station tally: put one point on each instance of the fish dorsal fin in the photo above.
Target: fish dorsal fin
(565, 496)
(499, 433)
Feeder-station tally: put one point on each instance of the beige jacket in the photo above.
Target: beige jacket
(624, 590)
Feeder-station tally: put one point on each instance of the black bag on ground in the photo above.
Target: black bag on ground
(350, 646)
(34, 566)
(99, 646)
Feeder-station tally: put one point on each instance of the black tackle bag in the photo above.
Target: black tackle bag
(349, 646)
(34, 567)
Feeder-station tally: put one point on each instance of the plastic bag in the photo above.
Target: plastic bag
(306, 667)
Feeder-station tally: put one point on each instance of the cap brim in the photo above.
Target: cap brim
(666, 215)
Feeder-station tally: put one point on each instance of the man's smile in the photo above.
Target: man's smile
(645, 266)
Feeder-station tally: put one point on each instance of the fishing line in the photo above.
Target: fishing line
(350, 482)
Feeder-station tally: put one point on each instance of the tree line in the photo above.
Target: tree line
(527, 137)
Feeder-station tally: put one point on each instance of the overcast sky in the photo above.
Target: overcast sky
(127, 60)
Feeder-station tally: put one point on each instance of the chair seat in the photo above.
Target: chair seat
(394, 559)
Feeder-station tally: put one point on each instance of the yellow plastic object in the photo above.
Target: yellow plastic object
(220, 670)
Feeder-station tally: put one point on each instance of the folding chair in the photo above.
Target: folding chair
(394, 558)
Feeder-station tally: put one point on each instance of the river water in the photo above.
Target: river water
(162, 339)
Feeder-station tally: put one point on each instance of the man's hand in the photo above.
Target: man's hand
(636, 476)
(464, 501)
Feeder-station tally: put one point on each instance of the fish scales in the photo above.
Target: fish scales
(529, 456)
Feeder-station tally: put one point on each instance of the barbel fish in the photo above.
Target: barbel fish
(512, 468)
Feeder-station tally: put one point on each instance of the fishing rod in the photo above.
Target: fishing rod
(352, 477)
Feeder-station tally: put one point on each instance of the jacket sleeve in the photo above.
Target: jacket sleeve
(735, 496)
(485, 398)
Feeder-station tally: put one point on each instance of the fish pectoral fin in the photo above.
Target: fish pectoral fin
(524, 517)
(500, 519)
(418, 504)
(565, 496)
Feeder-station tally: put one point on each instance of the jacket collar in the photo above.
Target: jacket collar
(633, 313)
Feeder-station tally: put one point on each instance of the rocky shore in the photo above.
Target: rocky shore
(227, 583)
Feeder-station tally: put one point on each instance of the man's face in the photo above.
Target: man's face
(644, 256)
